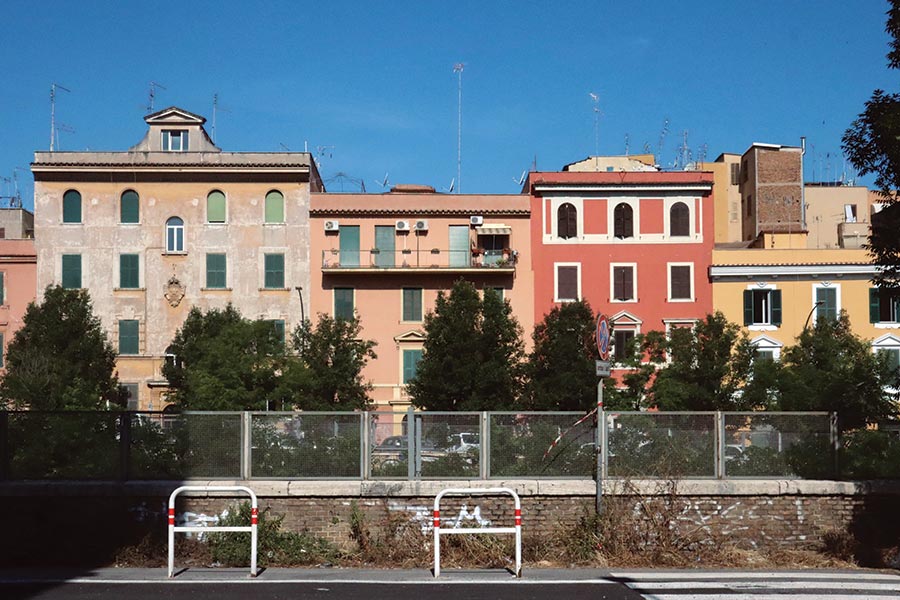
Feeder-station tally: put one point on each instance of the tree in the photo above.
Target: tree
(472, 354)
(831, 369)
(332, 357)
(61, 358)
(561, 370)
(226, 362)
(872, 144)
(707, 369)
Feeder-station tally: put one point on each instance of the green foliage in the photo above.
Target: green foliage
(521, 446)
(831, 369)
(333, 356)
(645, 445)
(472, 354)
(61, 358)
(561, 370)
(275, 547)
(868, 454)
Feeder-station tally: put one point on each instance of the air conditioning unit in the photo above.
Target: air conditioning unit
(402, 225)
(421, 225)
(332, 226)
(477, 220)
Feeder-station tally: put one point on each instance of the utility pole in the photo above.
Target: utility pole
(458, 69)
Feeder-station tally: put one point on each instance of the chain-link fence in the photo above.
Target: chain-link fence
(437, 445)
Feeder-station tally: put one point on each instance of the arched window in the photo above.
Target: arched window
(274, 207)
(129, 207)
(566, 221)
(175, 235)
(623, 221)
(215, 207)
(679, 219)
(72, 207)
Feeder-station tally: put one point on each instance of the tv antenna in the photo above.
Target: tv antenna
(216, 109)
(595, 99)
(65, 129)
(385, 183)
(520, 180)
(449, 190)
(53, 88)
(662, 137)
(341, 178)
(283, 147)
(151, 96)
(458, 69)
(684, 153)
(321, 153)
(626, 144)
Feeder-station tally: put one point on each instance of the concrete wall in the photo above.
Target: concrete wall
(825, 216)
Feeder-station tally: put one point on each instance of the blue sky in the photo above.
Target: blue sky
(372, 83)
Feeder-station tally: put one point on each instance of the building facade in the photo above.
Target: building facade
(173, 223)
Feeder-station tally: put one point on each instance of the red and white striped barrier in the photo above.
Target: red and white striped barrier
(438, 530)
(252, 529)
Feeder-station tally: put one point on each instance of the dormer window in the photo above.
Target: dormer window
(174, 140)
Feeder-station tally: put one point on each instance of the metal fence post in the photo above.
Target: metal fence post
(410, 442)
(364, 445)
(246, 438)
(4, 445)
(124, 445)
(719, 440)
(604, 444)
(484, 452)
(835, 435)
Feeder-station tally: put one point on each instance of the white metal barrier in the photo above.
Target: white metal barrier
(438, 530)
(254, 520)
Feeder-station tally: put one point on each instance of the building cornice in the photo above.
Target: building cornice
(819, 271)
(615, 189)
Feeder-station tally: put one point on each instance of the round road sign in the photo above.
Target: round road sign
(603, 337)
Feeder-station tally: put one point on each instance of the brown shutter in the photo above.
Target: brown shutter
(567, 283)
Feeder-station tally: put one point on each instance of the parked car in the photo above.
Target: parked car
(464, 442)
(393, 450)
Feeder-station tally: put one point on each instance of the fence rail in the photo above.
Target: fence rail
(436, 445)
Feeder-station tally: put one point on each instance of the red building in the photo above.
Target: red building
(636, 244)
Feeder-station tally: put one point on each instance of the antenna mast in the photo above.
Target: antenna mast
(152, 94)
(216, 109)
(458, 69)
(53, 88)
(596, 100)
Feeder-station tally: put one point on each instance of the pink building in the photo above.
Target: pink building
(386, 256)
(636, 244)
(18, 277)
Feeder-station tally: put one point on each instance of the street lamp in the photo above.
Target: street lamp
(816, 305)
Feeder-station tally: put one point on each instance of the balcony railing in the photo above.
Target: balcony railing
(406, 259)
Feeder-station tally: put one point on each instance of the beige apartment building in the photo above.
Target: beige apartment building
(171, 223)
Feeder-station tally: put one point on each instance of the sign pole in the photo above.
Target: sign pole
(603, 340)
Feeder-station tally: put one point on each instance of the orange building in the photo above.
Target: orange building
(18, 275)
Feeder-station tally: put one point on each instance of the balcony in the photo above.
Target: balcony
(428, 260)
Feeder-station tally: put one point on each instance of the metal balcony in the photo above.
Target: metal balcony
(419, 260)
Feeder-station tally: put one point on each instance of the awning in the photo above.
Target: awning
(494, 229)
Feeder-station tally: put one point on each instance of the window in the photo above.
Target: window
(71, 207)
(892, 354)
(129, 271)
(568, 282)
(343, 303)
(2, 287)
(827, 303)
(623, 221)
(2, 352)
(411, 360)
(623, 283)
(216, 271)
(412, 304)
(349, 244)
(128, 337)
(762, 307)
(735, 174)
(274, 207)
(887, 347)
(175, 235)
(278, 326)
(274, 264)
(566, 221)
(884, 306)
(681, 282)
(174, 140)
(623, 345)
(497, 290)
(679, 220)
(385, 237)
(130, 391)
(215, 207)
(71, 271)
(129, 208)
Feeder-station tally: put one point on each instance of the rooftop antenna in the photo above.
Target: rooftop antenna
(321, 152)
(684, 155)
(151, 96)
(520, 181)
(385, 183)
(53, 88)
(595, 99)
(65, 129)
(626, 144)
(342, 178)
(283, 147)
(458, 69)
(216, 109)
(449, 190)
(701, 154)
(662, 136)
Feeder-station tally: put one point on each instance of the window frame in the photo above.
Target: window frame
(566, 223)
(617, 354)
(130, 195)
(621, 220)
(773, 309)
(266, 203)
(691, 289)
(877, 297)
(136, 337)
(3, 288)
(72, 201)
(404, 352)
(270, 274)
(80, 272)
(136, 268)
(334, 301)
(168, 135)
(175, 235)
(684, 220)
(224, 271)
(826, 285)
(556, 267)
(612, 282)
(215, 195)
(419, 309)
(764, 343)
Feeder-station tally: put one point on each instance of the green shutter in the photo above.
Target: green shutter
(278, 324)
(349, 244)
(274, 207)
(71, 207)
(343, 303)
(2, 287)
(128, 337)
(274, 271)
(129, 208)
(412, 304)
(385, 235)
(2, 356)
(129, 271)
(411, 360)
(71, 271)
(184, 141)
(775, 297)
(748, 307)
(828, 307)
(874, 305)
(216, 271)
(215, 207)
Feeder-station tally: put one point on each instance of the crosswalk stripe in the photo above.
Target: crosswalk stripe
(768, 585)
(768, 575)
(733, 596)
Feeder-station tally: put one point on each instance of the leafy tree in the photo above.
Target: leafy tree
(561, 370)
(472, 355)
(709, 364)
(225, 362)
(61, 358)
(831, 369)
(331, 359)
(872, 144)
